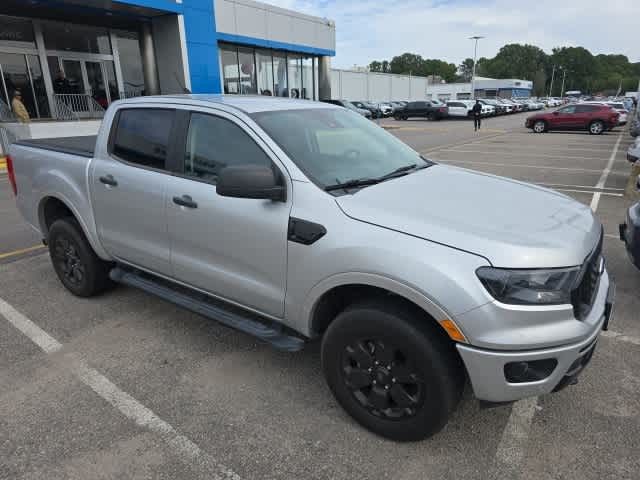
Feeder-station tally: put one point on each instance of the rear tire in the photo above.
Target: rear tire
(391, 370)
(539, 126)
(596, 127)
(79, 269)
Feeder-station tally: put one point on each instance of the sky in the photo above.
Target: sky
(368, 30)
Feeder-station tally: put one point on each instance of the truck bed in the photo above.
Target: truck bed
(81, 146)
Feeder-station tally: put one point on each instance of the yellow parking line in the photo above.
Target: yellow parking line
(21, 251)
(3, 164)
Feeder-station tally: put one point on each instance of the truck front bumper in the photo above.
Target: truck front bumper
(504, 376)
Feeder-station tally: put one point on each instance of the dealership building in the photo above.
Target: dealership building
(483, 88)
(71, 58)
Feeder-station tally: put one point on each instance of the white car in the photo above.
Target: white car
(620, 108)
(463, 108)
(459, 108)
(386, 109)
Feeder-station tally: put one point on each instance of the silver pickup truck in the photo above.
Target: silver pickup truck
(294, 221)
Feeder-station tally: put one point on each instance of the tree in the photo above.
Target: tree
(584, 71)
(580, 65)
(375, 66)
(540, 83)
(407, 63)
(465, 70)
(517, 61)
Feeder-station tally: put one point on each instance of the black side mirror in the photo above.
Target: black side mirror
(250, 181)
(556, 113)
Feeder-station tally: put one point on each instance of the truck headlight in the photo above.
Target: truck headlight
(529, 287)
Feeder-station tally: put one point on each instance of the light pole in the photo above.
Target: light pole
(564, 75)
(553, 74)
(473, 74)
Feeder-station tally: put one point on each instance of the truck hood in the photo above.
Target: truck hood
(512, 224)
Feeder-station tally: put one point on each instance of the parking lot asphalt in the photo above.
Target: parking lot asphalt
(128, 386)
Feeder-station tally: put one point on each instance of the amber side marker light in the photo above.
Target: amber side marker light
(453, 331)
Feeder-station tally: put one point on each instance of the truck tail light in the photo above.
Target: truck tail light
(12, 175)
(442, 109)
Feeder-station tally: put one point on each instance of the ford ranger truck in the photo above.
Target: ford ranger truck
(297, 221)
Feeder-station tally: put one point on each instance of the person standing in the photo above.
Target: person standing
(477, 115)
(18, 108)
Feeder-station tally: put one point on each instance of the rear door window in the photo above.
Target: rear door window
(586, 108)
(142, 136)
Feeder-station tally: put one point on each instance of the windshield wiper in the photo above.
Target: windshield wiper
(358, 182)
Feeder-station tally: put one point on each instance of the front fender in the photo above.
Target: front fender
(372, 280)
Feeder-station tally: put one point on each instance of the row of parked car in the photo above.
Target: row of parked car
(436, 109)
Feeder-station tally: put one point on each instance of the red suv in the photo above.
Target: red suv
(593, 118)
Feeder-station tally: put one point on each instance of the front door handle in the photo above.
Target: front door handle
(109, 180)
(185, 201)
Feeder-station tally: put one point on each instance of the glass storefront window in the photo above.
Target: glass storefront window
(295, 75)
(265, 72)
(111, 81)
(15, 77)
(75, 38)
(307, 78)
(280, 74)
(16, 32)
(247, 71)
(130, 64)
(39, 90)
(230, 75)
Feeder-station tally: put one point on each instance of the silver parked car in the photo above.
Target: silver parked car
(294, 220)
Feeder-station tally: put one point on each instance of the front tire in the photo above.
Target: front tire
(596, 127)
(540, 126)
(391, 370)
(79, 269)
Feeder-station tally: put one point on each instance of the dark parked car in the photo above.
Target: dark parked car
(372, 107)
(593, 118)
(426, 109)
(347, 104)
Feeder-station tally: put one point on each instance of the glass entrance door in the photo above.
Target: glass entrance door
(85, 86)
(97, 87)
(73, 74)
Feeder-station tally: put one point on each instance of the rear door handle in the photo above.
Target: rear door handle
(185, 201)
(109, 180)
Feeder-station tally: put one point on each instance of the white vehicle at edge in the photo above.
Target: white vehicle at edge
(617, 106)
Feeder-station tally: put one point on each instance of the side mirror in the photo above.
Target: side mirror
(250, 181)
(556, 113)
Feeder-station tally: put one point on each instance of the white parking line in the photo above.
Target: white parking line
(589, 192)
(539, 167)
(122, 401)
(621, 337)
(605, 173)
(520, 154)
(515, 436)
(565, 148)
(576, 186)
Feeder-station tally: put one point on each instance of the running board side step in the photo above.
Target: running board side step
(200, 303)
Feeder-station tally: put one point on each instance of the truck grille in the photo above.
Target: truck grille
(583, 295)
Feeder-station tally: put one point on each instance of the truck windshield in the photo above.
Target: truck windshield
(335, 146)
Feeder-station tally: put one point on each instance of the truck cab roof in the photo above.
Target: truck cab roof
(245, 103)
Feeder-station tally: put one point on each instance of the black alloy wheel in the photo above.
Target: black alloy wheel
(382, 379)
